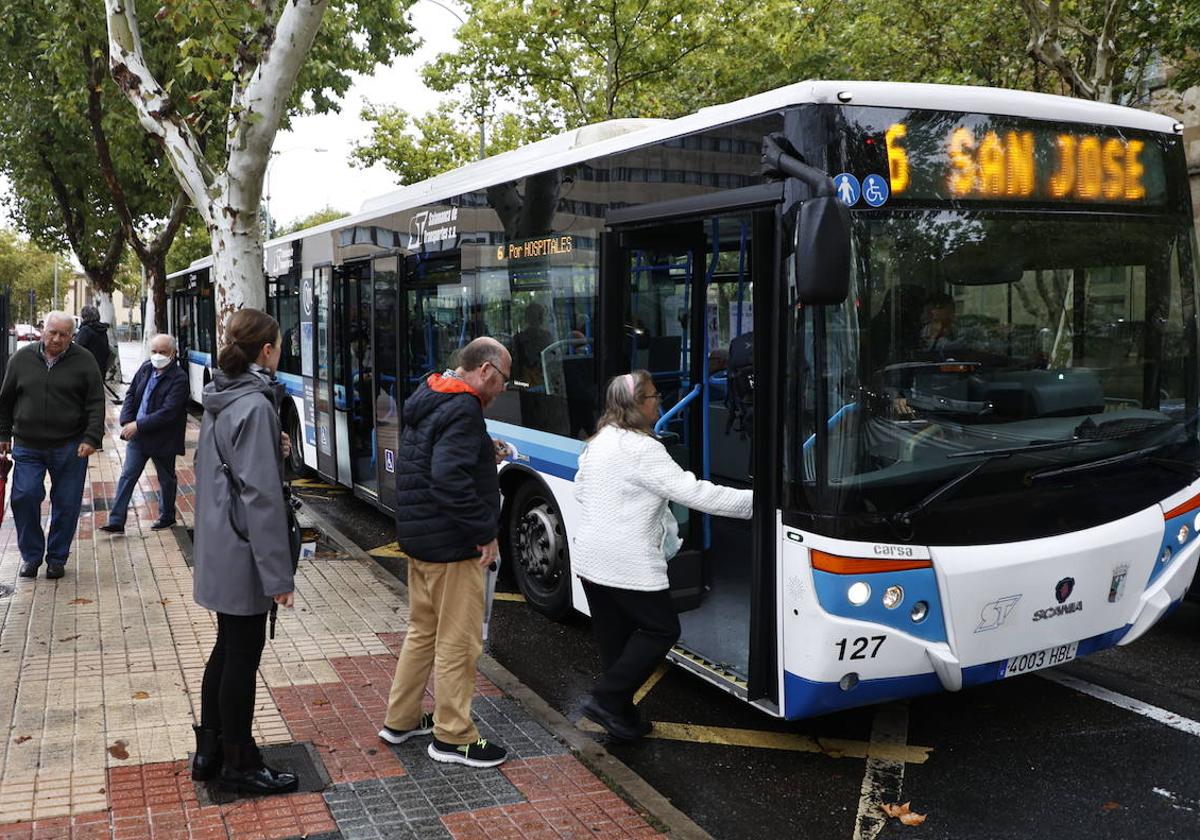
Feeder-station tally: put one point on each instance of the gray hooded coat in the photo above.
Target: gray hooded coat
(232, 575)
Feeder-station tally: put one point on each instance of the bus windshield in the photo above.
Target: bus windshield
(984, 354)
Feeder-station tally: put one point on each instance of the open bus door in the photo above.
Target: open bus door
(681, 303)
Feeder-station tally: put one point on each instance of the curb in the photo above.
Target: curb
(632, 787)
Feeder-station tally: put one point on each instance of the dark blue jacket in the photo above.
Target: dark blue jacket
(447, 489)
(161, 431)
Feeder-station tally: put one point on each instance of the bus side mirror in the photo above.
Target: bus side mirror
(822, 255)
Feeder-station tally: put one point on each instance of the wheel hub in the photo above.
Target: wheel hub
(539, 539)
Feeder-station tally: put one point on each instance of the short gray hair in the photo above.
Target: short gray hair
(174, 343)
(59, 315)
(482, 349)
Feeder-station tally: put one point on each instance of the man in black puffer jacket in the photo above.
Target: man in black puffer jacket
(447, 521)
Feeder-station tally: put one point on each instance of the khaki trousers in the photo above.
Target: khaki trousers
(445, 634)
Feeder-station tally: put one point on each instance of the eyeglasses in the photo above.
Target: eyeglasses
(657, 397)
(507, 377)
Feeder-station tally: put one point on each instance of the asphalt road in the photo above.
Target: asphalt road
(1026, 757)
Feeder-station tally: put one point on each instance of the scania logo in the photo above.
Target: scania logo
(1054, 612)
(1063, 589)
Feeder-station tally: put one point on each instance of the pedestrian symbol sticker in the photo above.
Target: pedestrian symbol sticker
(874, 190)
(389, 460)
(847, 188)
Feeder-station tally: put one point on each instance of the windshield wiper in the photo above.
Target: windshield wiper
(1145, 454)
(908, 515)
(1036, 446)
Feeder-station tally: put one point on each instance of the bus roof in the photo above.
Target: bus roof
(615, 136)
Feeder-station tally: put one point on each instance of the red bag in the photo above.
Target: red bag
(5, 466)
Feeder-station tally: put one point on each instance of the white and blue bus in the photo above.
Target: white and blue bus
(973, 449)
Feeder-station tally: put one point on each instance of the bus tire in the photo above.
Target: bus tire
(296, 433)
(541, 560)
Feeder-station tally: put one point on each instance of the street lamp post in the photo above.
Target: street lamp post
(271, 160)
(476, 88)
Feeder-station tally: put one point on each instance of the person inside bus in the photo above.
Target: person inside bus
(626, 475)
(528, 345)
(939, 335)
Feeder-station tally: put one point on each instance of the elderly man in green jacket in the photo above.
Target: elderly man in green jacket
(51, 420)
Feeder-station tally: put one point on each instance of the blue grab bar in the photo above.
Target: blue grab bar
(674, 411)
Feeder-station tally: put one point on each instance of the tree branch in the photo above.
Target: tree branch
(156, 112)
(266, 95)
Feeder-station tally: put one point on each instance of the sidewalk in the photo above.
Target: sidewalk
(100, 684)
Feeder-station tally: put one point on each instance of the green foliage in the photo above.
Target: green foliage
(24, 268)
(191, 243)
(560, 65)
(317, 217)
(419, 148)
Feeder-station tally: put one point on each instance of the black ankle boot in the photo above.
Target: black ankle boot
(207, 761)
(243, 771)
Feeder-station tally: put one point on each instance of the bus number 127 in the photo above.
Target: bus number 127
(858, 647)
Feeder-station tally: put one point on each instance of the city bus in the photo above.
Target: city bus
(946, 334)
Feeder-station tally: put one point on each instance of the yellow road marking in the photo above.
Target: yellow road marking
(730, 737)
(650, 682)
(509, 596)
(391, 549)
(314, 484)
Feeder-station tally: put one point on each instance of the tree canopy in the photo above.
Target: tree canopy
(534, 68)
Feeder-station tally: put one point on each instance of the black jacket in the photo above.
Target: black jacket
(93, 336)
(161, 431)
(447, 489)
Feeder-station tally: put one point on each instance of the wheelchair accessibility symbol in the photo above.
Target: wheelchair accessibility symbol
(875, 190)
(389, 460)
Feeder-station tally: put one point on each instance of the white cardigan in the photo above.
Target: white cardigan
(623, 486)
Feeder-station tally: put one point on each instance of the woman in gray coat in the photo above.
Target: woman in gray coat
(243, 562)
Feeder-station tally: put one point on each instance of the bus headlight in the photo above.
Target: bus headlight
(1183, 534)
(919, 611)
(859, 593)
(892, 597)
(1166, 554)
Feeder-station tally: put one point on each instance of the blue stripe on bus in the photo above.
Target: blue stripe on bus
(293, 383)
(805, 698)
(200, 358)
(555, 455)
(918, 585)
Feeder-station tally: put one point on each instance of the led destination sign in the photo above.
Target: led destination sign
(530, 248)
(975, 157)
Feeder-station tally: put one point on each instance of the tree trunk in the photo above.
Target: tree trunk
(237, 270)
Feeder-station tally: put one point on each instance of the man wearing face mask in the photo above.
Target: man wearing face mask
(153, 420)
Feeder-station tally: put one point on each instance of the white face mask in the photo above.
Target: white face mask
(159, 360)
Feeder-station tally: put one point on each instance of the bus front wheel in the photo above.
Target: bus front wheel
(540, 558)
(296, 432)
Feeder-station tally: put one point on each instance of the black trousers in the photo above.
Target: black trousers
(227, 692)
(634, 630)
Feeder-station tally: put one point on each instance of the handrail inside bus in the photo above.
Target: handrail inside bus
(674, 410)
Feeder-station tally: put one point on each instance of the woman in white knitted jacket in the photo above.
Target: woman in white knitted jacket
(627, 534)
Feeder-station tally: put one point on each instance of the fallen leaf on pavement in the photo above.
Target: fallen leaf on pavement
(69, 639)
(141, 695)
(1111, 806)
(165, 601)
(118, 750)
(903, 813)
(23, 738)
(80, 601)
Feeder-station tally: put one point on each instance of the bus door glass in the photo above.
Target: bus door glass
(354, 391)
(437, 316)
(386, 396)
(326, 457)
(689, 321)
